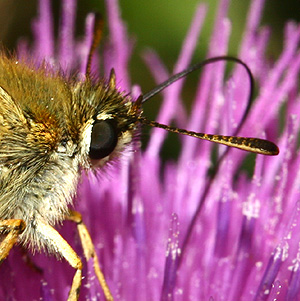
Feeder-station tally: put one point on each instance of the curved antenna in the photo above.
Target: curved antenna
(255, 145)
(195, 67)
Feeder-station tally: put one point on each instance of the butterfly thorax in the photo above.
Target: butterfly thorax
(46, 128)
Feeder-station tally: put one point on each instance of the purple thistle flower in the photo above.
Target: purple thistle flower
(244, 242)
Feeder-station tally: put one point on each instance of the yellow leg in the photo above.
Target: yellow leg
(56, 242)
(89, 251)
(12, 228)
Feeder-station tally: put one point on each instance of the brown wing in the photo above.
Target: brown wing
(11, 115)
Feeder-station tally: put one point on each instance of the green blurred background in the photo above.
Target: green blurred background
(156, 24)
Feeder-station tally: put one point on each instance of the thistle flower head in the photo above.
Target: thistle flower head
(172, 231)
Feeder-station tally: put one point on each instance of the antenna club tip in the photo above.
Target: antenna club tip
(269, 148)
(275, 150)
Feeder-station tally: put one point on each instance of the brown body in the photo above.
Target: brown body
(46, 123)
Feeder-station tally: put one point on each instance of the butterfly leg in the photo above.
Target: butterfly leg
(11, 228)
(89, 250)
(59, 245)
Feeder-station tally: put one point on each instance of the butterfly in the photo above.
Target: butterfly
(51, 127)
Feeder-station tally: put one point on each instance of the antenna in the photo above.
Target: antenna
(255, 145)
(195, 67)
(97, 35)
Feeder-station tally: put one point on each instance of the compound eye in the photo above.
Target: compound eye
(104, 138)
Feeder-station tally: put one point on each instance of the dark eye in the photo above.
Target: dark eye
(104, 139)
